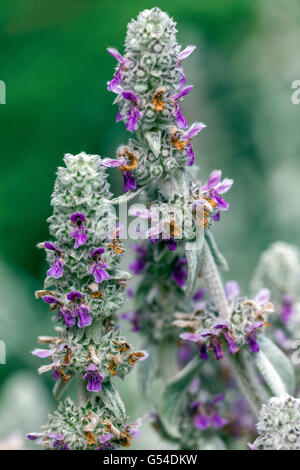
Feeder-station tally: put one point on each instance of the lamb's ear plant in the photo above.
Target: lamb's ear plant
(149, 84)
(84, 287)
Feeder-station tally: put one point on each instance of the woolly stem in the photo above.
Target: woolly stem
(213, 282)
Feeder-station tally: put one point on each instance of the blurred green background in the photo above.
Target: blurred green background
(55, 66)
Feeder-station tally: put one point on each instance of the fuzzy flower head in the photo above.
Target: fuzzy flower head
(278, 425)
(246, 322)
(150, 85)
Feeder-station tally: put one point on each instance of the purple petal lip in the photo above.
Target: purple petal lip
(49, 299)
(262, 297)
(54, 435)
(195, 337)
(130, 96)
(182, 92)
(105, 438)
(186, 52)
(97, 251)
(232, 290)
(51, 246)
(225, 185)
(112, 163)
(116, 54)
(74, 295)
(129, 181)
(199, 295)
(255, 325)
(41, 353)
(77, 216)
(193, 130)
(34, 435)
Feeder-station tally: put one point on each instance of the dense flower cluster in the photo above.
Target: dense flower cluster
(279, 425)
(150, 83)
(247, 317)
(84, 288)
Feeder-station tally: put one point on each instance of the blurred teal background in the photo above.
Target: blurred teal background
(55, 66)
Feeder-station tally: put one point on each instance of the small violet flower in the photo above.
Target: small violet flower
(206, 415)
(94, 378)
(62, 310)
(232, 290)
(180, 119)
(286, 308)
(251, 336)
(129, 180)
(81, 311)
(114, 84)
(214, 187)
(56, 270)
(138, 266)
(183, 55)
(134, 114)
(186, 138)
(179, 274)
(98, 268)
(79, 232)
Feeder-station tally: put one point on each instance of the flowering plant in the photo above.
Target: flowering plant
(84, 288)
(222, 341)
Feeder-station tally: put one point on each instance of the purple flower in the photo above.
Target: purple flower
(214, 187)
(81, 311)
(218, 421)
(134, 114)
(84, 318)
(262, 297)
(134, 428)
(49, 299)
(113, 162)
(251, 336)
(43, 353)
(185, 353)
(56, 270)
(203, 352)
(199, 294)
(74, 295)
(98, 268)
(227, 334)
(129, 181)
(32, 436)
(201, 421)
(139, 265)
(133, 318)
(159, 232)
(179, 274)
(232, 290)
(94, 378)
(116, 54)
(183, 55)
(195, 337)
(79, 232)
(252, 446)
(62, 311)
(180, 119)
(192, 132)
(286, 308)
(114, 84)
(214, 343)
(186, 52)
(206, 416)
